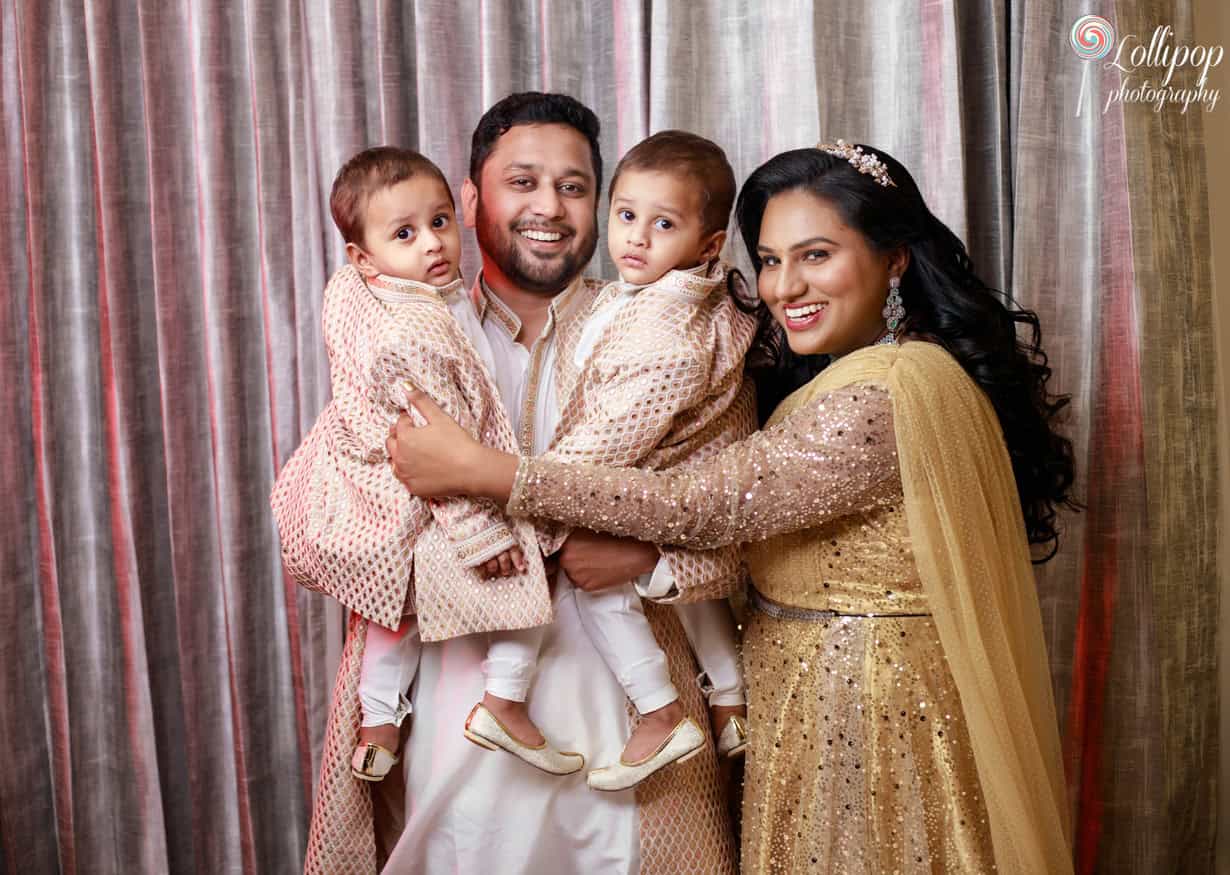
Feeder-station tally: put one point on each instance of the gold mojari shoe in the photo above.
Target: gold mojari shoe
(485, 729)
(733, 740)
(684, 742)
(372, 762)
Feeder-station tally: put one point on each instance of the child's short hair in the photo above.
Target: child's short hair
(695, 157)
(364, 175)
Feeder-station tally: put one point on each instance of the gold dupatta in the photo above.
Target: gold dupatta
(972, 555)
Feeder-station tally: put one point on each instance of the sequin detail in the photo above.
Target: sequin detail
(859, 760)
(828, 459)
(663, 385)
(859, 752)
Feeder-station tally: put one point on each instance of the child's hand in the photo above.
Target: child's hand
(504, 565)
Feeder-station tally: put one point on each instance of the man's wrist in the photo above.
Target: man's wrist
(648, 555)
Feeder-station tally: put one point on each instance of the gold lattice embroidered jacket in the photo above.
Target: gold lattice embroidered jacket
(661, 383)
(682, 816)
(348, 527)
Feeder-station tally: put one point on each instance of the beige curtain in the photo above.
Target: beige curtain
(164, 240)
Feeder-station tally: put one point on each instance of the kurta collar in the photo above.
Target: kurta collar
(488, 302)
(694, 283)
(396, 290)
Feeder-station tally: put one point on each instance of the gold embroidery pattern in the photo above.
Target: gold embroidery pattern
(348, 527)
(485, 545)
(664, 385)
(685, 828)
(340, 839)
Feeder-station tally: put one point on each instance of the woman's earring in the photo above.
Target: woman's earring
(894, 310)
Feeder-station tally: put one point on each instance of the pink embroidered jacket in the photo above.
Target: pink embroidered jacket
(683, 822)
(348, 527)
(661, 383)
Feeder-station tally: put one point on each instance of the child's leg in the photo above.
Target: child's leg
(390, 661)
(512, 657)
(509, 667)
(616, 624)
(710, 627)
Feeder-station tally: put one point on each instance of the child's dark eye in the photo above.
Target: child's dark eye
(626, 215)
(664, 224)
(404, 234)
(440, 221)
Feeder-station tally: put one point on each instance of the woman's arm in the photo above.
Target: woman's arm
(832, 457)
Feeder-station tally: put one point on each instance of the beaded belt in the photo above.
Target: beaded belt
(789, 612)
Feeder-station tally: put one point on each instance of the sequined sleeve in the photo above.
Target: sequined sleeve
(835, 456)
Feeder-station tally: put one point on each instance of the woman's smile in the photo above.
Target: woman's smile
(822, 280)
(800, 317)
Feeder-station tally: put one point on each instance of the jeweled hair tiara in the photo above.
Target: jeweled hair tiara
(864, 162)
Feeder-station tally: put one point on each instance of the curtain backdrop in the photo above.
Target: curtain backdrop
(164, 240)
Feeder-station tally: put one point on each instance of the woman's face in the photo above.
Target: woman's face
(820, 278)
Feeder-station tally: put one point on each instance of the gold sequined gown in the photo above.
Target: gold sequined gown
(901, 711)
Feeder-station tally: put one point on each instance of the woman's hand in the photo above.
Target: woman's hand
(440, 458)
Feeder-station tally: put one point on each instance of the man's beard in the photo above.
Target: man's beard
(544, 276)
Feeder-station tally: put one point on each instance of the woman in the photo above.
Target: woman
(900, 703)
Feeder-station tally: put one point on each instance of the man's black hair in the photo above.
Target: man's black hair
(533, 108)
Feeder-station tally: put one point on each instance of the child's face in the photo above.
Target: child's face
(410, 232)
(655, 226)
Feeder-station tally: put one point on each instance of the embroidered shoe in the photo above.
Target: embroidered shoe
(733, 740)
(684, 742)
(485, 729)
(372, 762)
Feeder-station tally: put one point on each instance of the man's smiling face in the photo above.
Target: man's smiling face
(534, 209)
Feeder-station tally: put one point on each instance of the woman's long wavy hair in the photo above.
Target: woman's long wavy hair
(998, 344)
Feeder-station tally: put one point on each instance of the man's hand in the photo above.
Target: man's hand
(595, 561)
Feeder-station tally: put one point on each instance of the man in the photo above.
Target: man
(532, 196)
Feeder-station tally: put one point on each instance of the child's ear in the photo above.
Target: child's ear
(711, 247)
(361, 260)
(469, 202)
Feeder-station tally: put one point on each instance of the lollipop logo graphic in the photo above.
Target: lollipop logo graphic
(1092, 36)
(1163, 71)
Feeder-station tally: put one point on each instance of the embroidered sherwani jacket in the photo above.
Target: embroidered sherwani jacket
(348, 527)
(661, 383)
(684, 826)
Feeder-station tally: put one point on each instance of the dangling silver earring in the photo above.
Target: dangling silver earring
(893, 312)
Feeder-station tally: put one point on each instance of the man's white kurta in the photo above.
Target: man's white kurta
(473, 810)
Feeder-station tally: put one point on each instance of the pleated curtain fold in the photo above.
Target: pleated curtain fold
(164, 241)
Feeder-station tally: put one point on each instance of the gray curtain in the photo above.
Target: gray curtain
(164, 239)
